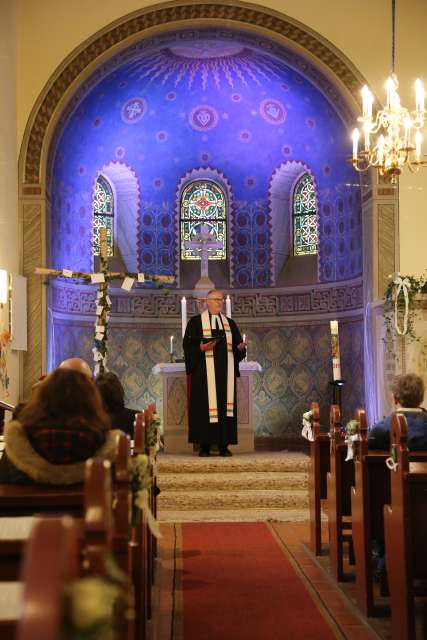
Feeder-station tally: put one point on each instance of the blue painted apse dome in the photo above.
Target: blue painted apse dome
(229, 102)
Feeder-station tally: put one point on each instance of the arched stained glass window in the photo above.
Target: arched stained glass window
(305, 217)
(203, 204)
(103, 215)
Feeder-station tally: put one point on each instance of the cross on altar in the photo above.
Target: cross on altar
(103, 303)
(204, 242)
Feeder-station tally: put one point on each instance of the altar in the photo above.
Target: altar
(175, 413)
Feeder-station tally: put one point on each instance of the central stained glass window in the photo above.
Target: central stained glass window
(203, 202)
(103, 215)
(305, 217)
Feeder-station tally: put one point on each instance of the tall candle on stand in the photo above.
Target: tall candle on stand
(228, 307)
(183, 314)
(336, 365)
(171, 346)
(244, 340)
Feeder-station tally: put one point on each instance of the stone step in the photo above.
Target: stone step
(235, 515)
(214, 500)
(238, 481)
(243, 462)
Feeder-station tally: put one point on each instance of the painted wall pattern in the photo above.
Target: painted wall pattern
(296, 365)
(205, 98)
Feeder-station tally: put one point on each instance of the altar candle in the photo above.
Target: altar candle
(244, 340)
(336, 367)
(228, 307)
(183, 314)
(171, 346)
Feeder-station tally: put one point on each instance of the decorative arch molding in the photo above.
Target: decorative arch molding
(177, 15)
(280, 193)
(204, 173)
(126, 211)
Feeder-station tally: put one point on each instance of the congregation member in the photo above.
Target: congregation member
(113, 397)
(62, 425)
(408, 394)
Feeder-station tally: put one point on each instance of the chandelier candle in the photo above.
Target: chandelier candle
(183, 314)
(336, 366)
(228, 307)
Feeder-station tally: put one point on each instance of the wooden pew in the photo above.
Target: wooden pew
(405, 528)
(51, 562)
(140, 564)
(370, 493)
(319, 467)
(340, 479)
(93, 535)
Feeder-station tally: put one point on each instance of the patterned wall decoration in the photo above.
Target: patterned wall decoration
(296, 365)
(211, 97)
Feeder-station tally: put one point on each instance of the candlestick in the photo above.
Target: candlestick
(183, 314)
(171, 346)
(336, 366)
(244, 340)
(228, 307)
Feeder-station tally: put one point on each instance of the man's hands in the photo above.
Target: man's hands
(242, 345)
(207, 346)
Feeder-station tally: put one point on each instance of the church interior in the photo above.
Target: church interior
(153, 152)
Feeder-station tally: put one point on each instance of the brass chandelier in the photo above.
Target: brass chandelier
(392, 138)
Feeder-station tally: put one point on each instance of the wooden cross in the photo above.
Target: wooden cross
(103, 303)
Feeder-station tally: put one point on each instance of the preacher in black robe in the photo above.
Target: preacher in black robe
(201, 431)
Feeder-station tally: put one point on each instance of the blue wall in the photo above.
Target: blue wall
(220, 99)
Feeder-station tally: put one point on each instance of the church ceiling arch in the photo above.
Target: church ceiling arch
(138, 25)
(211, 99)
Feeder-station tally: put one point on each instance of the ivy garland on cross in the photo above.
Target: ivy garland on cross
(103, 301)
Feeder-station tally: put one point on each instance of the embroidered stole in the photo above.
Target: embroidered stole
(210, 368)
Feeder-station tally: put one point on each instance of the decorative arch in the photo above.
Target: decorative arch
(282, 186)
(55, 99)
(126, 219)
(205, 173)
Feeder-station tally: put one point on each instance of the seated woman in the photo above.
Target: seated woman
(62, 425)
(113, 396)
(408, 394)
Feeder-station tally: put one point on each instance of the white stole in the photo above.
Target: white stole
(210, 368)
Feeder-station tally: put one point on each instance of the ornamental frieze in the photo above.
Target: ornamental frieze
(79, 300)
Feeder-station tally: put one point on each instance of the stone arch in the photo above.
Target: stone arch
(282, 185)
(73, 72)
(126, 219)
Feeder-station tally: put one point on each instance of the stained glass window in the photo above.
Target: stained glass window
(103, 215)
(305, 217)
(203, 204)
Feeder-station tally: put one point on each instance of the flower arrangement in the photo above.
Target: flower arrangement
(153, 434)
(307, 426)
(141, 485)
(351, 436)
(91, 603)
(399, 304)
(5, 340)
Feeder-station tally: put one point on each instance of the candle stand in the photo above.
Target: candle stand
(337, 386)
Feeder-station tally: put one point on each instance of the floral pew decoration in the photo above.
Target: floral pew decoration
(141, 485)
(153, 435)
(351, 436)
(307, 426)
(91, 603)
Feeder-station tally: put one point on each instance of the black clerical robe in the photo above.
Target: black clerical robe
(202, 431)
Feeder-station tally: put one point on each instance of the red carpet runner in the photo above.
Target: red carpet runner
(238, 583)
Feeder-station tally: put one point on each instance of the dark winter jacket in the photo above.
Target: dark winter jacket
(21, 463)
(379, 435)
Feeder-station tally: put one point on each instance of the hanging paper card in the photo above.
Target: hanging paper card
(141, 277)
(97, 278)
(127, 283)
(67, 273)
